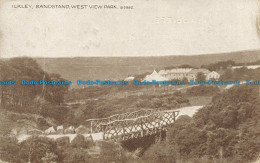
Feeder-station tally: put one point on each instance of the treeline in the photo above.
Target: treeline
(241, 74)
(180, 66)
(250, 63)
(218, 66)
(226, 131)
(222, 65)
(228, 74)
(29, 98)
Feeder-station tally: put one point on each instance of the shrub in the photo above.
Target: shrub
(202, 90)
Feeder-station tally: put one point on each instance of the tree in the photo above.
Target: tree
(78, 155)
(29, 97)
(55, 93)
(49, 158)
(9, 149)
(219, 65)
(185, 80)
(159, 153)
(200, 76)
(227, 130)
(35, 149)
(228, 75)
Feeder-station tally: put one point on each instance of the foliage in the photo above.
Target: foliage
(36, 149)
(159, 153)
(185, 80)
(78, 141)
(106, 105)
(49, 158)
(59, 113)
(202, 90)
(78, 155)
(180, 66)
(44, 100)
(241, 74)
(200, 77)
(219, 65)
(227, 130)
(20, 96)
(9, 149)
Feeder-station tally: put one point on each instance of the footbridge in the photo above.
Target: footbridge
(134, 124)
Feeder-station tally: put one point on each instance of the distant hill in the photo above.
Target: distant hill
(115, 68)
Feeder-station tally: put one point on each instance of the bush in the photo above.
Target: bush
(78, 142)
(9, 149)
(37, 148)
(159, 153)
(202, 90)
(76, 155)
(226, 130)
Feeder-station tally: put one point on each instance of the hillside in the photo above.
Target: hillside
(92, 68)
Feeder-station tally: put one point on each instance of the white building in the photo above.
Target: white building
(177, 73)
(189, 73)
(155, 76)
(130, 78)
(248, 67)
(212, 75)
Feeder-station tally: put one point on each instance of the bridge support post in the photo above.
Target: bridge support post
(158, 137)
(91, 127)
(175, 114)
(123, 133)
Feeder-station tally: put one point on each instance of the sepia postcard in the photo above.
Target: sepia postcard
(129, 81)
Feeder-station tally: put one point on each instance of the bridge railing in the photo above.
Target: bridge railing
(96, 124)
(140, 126)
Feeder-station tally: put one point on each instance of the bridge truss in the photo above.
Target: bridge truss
(134, 124)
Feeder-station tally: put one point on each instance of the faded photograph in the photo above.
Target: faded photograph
(130, 81)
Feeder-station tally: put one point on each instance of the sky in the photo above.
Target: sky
(152, 28)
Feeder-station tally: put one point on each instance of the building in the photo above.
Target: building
(192, 75)
(248, 67)
(129, 78)
(189, 73)
(212, 75)
(177, 73)
(155, 76)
